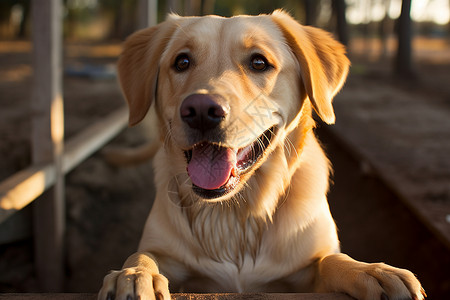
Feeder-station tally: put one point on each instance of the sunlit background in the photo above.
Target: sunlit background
(367, 21)
(95, 16)
(364, 11)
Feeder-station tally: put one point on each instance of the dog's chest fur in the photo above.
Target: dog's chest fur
(226, 233)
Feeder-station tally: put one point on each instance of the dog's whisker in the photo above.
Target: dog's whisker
(288, 146)
(292, 146)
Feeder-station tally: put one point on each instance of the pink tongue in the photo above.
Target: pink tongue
(210, 166)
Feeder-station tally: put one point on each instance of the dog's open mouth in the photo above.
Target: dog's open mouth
(215, 171)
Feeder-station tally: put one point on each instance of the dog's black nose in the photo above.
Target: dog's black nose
(203, 111)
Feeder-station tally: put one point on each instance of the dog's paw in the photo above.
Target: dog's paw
(363, 281)
(134, 284)
(381, 281)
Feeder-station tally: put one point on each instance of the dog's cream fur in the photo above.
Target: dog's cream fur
(274, 231)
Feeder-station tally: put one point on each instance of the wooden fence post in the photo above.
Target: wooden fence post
(47, 141)
(147, 13)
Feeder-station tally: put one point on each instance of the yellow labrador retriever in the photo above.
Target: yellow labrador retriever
(241, 178)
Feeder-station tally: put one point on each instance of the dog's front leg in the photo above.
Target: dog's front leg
(363, 281)
(138, 279)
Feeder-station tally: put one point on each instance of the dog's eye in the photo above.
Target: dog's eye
(258, 63)
(182, 62)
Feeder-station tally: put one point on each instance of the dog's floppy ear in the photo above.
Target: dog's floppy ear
(323, 63)
(138, 67)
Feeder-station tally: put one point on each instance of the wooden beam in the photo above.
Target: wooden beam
(47, 140)
(93, 138)
(22, 188)
(261, 296)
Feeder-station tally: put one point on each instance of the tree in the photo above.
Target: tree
(383, 29)
(403, 60)
(193, 7)
(208, 7)
(311, 8)
(339, 8)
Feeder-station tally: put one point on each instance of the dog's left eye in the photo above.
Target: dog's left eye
(182, 62)
(258, 63)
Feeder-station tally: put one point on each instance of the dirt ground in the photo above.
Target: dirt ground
(107, 206)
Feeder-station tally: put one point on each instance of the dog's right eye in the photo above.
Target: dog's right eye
(182, 62)
(258, 63)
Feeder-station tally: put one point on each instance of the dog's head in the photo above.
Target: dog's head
(228, 91)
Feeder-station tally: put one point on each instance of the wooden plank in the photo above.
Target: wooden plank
(22, 188)
(48, 296)
(404, 142)
(262, 296)
(47, 141)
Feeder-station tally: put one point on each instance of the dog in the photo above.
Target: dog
(241, 180)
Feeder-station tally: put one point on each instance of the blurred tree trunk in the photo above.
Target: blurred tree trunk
(403, 60)
(208, 7)
(116, 32)
(25, 18)
(339, 8)
(310, 11)
(384, 29)
(70, 23)
(193, 7)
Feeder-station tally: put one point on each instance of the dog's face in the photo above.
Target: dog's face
(223, 106)
(229, 90)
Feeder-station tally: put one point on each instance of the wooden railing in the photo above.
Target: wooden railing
(324, 296)
(52, 157)
(25, 186)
